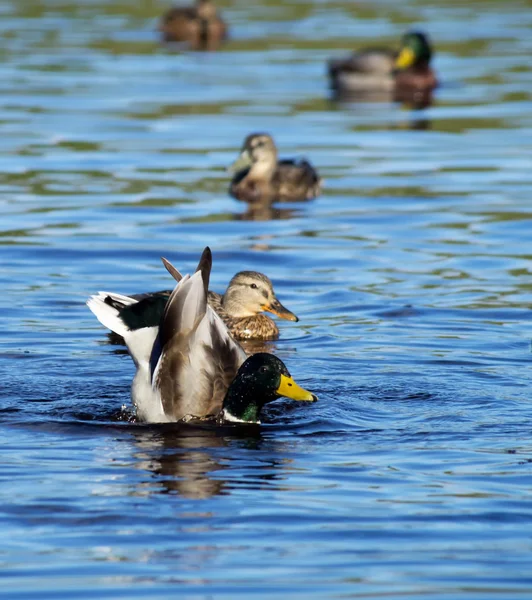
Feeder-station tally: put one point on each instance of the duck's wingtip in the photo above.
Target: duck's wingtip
(205, 259)
(205, 266)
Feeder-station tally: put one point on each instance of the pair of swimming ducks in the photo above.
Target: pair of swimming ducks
(189, 364)
(406, 75)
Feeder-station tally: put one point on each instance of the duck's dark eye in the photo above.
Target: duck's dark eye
(263, 370)
(253, 286)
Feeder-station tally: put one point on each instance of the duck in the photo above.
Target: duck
(240, 307)
(259, 175)
(402, 76)
(190, 368)
(199, 25)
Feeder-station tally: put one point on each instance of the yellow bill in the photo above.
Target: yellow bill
(289, 388)
(405, 59)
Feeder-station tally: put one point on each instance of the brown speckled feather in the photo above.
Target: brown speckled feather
(295, 180)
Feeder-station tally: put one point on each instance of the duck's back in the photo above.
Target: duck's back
(369, 69)
(295, 180)
(195, 358)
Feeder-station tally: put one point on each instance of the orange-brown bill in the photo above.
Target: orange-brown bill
(278, 309)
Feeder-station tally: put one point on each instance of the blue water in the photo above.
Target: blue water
(411, 275)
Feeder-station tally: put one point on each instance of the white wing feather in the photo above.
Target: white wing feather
(139, 343)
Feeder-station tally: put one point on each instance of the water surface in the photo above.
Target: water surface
(410, 274)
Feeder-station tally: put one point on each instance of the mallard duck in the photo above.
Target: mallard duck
(199, 25)
(403, 75)
(190, 367)
(248, 294)
(259, 175)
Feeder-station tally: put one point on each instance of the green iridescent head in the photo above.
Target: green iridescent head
(415, 49)
(262, 378)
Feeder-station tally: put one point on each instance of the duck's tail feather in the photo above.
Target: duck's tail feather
(204, 265)
(185, 307)
(188, 302)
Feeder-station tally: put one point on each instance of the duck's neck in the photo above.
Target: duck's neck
(234, 307)
(240, 403)
(206, 10)
(420, 66)
(263, 169)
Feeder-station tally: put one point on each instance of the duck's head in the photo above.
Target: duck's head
(206, 9)
(262, 378)
(258, 153)
(415, 50)
(250, 293)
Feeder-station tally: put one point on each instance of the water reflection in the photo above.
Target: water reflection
(185, 459)
(413, 104)
(415, 123)
(415, 99)
(264, 210)
(114, 154)
(254, 346)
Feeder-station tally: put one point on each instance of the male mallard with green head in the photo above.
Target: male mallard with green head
(190, 367)
(406, 75)
(199, 25)
(259, 175)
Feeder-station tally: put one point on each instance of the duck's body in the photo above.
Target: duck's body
(370, 69)
(259, 175)
(405, 76)
(240, 307)
(200, 26)
(190, 367)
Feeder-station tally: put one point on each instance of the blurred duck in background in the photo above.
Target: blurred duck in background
(404, 76)
(260, 175)
(200, 26)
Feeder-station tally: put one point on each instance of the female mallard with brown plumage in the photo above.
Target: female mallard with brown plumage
(190, 367)
(404, 76)
(240, 307)
(199, 25)
(259, 175)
